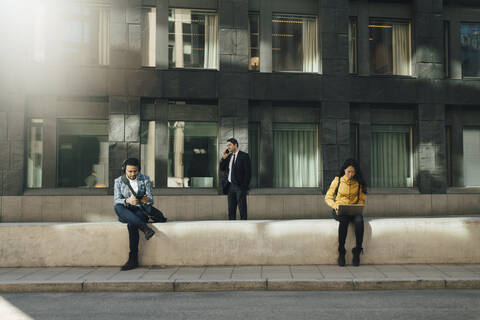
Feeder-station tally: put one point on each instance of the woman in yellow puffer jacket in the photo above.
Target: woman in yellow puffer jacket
(348, 188)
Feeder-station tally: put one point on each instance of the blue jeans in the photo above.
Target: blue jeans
(135, 219)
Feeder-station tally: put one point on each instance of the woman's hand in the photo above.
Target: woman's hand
(145, 199)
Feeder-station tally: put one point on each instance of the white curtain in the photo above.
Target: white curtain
(310, 46)
(471, 156)
(149, 40)
(295, 159)
(104, 36)
(401, 49)
(211, 42)
(390, 157)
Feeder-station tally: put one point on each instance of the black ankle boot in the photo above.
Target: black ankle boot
(356, 256)
(148, 232)
(341, 258)
(132, 262)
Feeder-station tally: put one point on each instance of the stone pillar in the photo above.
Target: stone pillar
(432, 164)
(428, 39)
(362, 39)
(335, 114)
(265, 173)
(233, 90)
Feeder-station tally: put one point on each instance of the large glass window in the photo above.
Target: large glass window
(254, 44)
(192, 39)
(471, 156)
(470, 41)
(254, 151)
(149, 18)
(390, 47)
(82, 153)
(85, 35)
(391, 156)
(294, 44)
(352, 45)
(35, 154)
(147, 149)
(192, 154)
(295, 155)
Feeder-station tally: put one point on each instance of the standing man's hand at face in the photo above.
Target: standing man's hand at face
(225, 154)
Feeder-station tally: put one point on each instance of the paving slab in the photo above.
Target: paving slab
(157, 274)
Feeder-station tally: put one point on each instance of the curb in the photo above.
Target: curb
(240, 285)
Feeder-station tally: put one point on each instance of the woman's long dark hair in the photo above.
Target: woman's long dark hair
(358, 173)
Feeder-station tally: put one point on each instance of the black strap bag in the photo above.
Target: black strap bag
(154, 214)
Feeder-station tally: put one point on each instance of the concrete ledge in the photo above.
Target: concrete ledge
(236, 243)
(309, 285)
(41, 287)
(224, 285)
(128, 286)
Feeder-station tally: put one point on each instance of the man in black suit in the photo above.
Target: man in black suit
(236, 179)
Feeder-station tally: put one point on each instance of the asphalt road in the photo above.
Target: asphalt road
(371, 305)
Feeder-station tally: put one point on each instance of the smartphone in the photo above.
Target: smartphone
(139, 197)
(226, 151)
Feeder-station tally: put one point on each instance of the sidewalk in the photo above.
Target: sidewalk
(228, 278)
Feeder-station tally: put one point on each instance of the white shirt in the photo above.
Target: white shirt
(230, 166)
(134, 184)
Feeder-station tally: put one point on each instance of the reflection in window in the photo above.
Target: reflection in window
(390, 47)
(254, 44)
(82, 153)
(471, 156)
(470, 41)
(192, 154)
(391, 156)
(149, 27)
(147, 149)
(253, 151)
(295, 156)
(192, 39)
(294, 44)
(352, 45)
(85, 35)
(35, 154)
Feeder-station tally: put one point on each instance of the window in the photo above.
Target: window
(470, 42)
(390, 47)
(471, 156)
(149, 26)
(295, 155)
(294, 44)
(35, 154)
(254, 44)
(147, 149)
(192, 39)
(391, 156)
(85, 35)
(253, 151)
(82, 153)
(449, 159)
(192, 154)
(352, 45)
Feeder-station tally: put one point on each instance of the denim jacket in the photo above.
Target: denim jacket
(122, 191)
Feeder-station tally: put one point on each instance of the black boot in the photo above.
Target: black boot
(132, 262)
(356, 256)
(341, 257)
(148, 232)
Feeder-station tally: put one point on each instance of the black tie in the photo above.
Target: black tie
(233, 163)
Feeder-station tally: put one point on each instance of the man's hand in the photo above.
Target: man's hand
(132, 200)
(145, 199)
(225, 154)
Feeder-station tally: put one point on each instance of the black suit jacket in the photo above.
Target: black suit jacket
(242, 171)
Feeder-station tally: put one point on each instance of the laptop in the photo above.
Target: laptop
(350, 209)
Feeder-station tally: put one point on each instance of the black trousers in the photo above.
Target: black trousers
(237, 197)
(135, 218)
(344, 221)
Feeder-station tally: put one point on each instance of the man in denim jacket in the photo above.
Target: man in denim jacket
(129, 208)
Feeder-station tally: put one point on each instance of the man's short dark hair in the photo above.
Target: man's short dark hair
(233, 140)
(131, 162)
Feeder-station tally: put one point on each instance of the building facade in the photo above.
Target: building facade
(302, 85)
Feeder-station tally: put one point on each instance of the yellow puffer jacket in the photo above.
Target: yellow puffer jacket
(347, 193)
